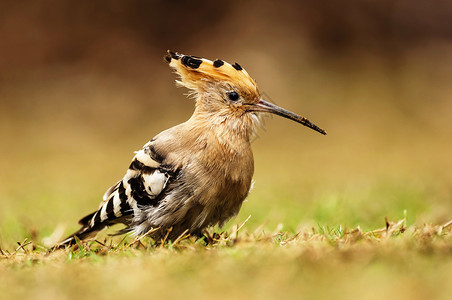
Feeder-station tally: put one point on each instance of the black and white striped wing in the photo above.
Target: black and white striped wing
(142, 186)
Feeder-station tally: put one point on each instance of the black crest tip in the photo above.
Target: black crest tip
(237, 67)
(218, 63)
(191, 62)
(172, 55)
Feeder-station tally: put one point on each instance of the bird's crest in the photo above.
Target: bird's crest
(195, 72)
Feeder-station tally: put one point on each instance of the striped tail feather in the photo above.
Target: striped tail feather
(83, 233)
(142, 186)
(114, 209)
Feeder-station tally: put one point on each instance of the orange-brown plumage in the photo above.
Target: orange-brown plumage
(197, 173)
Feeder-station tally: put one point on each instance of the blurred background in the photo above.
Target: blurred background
(83, 85)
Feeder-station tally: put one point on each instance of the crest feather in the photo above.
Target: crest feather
(195, 71)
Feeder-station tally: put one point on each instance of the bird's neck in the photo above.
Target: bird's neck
(225, 146)
(228, 129)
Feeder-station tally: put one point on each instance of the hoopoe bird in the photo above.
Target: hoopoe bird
(198, 173)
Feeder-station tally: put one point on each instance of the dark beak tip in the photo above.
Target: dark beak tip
(265, 106)
(321, 131)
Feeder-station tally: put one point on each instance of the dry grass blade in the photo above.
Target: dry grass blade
(100, 243)
(235, 229)
(138, 239)
(22, 246)
(181, 237)
(447, 224)
(243, 223)
(162, 242)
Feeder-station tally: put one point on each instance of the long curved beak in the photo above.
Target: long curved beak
(264, 106)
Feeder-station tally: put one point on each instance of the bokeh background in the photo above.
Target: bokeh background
(83, 84)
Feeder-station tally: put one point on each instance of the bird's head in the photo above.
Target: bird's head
(226, 92)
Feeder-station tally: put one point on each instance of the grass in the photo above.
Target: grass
(392, 262)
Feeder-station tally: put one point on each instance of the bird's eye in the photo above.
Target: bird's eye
(233, 96)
